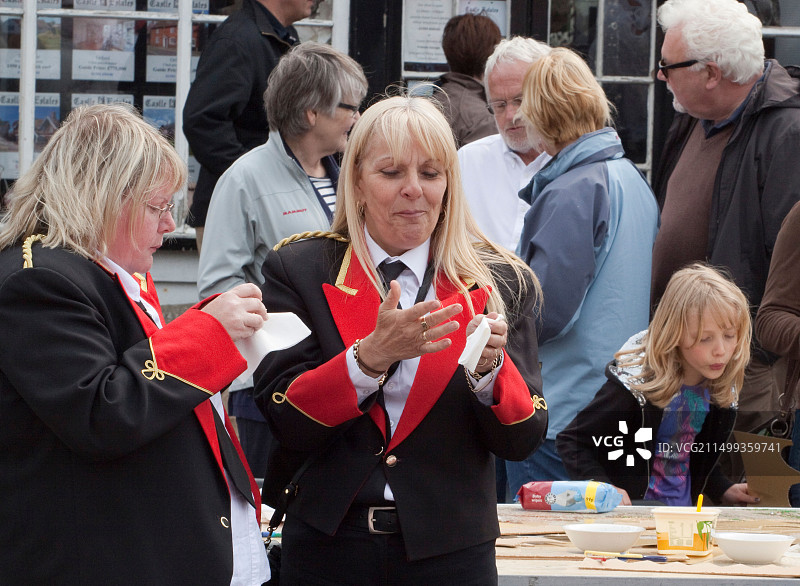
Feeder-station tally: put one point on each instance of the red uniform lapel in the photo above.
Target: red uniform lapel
(436, 370)
(353, 302)
(203, 411)
(148, 292)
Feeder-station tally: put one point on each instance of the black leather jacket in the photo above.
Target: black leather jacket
(224, 114)
(757, 182)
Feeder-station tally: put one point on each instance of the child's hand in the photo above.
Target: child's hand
(626, 500)
(738, 495)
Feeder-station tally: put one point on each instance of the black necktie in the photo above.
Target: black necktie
(230, 458)
(143, 307)
(389, 271)
(371, 491)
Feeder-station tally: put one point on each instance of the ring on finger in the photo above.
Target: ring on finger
(424, 336)
(425, 326)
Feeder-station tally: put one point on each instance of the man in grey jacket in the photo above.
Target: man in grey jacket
(727, 176)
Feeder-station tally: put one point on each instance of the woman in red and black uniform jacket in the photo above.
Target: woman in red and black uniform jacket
(111, 470)
(430, 449)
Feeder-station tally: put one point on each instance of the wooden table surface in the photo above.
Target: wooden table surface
(535, 550)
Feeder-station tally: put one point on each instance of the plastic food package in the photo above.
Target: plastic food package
(569, 495)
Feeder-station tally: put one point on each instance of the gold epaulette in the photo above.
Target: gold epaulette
(312, 234)
(27, 250)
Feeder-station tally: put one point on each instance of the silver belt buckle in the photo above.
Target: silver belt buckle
(370, 520)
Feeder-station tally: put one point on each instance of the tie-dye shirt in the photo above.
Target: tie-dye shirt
(681, 422)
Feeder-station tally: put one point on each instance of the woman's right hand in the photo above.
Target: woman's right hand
(401, 334)
(239, 310)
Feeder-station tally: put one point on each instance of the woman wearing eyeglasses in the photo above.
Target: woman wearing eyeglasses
(284, 187)
(117, 465)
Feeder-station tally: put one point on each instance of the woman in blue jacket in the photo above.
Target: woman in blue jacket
(588, 236)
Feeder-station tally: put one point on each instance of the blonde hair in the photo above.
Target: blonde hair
(562, 100)
(690, 293)
(101, 158)
(459, 249)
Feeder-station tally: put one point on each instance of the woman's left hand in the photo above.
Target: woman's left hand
(497, 340)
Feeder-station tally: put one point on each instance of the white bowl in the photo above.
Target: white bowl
(753, 548)
(603, 536)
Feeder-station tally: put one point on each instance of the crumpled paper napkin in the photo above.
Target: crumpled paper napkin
(280, 331)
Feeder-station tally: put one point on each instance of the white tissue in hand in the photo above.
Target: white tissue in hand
(280, 331)
(476, 342)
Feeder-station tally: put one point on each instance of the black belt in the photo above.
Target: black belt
(376, 520)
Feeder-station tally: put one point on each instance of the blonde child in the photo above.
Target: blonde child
(657, 427)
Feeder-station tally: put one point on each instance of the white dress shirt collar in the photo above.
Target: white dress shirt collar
(129, 282)
(415, 259)
(133, 289)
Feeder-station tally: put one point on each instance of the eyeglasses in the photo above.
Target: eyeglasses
(665, 68)
(353, 109)
(161, 211)
(499, 106)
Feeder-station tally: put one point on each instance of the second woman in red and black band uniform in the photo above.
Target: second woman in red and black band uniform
(401, 485)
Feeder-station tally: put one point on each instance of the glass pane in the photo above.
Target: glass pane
(572, 24)
(626, 42)
(88, 61)
(768, 11)
(320, 34)
(322, 10)
(631, 118)
(49, 66)
(787, 49)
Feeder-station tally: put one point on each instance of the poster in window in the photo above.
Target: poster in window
(92, 99)
(494, 9)
(162, 41)
(102, 48)
(105, 4)
(48, 42)
(47, 109)
(160, 112)
(423, 23)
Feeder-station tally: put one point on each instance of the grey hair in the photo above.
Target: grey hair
(522, 49)
(311, 76)
(101, 158)
(718, 31)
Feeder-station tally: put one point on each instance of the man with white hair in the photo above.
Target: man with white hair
(496, 167)
(728, 172)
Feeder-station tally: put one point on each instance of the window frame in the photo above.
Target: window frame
(185, 18)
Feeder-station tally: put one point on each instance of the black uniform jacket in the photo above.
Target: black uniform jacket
(439, 460)
(110, 470)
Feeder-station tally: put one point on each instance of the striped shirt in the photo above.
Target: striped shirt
(324, 187)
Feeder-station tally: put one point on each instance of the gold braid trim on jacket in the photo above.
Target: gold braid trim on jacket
(307, 235)
(27, 250)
